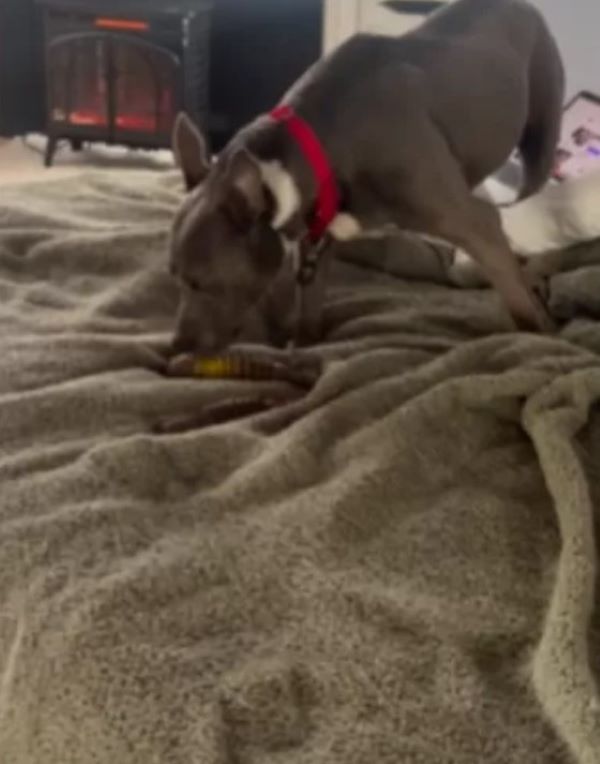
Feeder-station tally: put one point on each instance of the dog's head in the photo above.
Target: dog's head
(224, 252)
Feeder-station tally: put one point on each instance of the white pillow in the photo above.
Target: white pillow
(560, 215)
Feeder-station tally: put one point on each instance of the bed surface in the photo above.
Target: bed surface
(406, 574)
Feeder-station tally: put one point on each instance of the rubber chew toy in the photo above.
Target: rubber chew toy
(301, 374)
(242, 367)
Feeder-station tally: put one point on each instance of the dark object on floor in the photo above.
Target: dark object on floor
(220, 413)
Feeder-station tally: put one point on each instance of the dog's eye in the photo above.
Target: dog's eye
(193, 285)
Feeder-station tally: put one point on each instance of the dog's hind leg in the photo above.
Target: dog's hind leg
(477, 229)
(433, 197)
(542, 131)
(442, 206)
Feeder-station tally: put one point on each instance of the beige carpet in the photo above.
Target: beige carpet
(406, 574)
(22, 159)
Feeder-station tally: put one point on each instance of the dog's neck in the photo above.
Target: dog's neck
(285, 172)
(286, 193)
(291, 182)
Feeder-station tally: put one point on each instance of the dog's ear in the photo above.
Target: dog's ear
(245, 195)
(190, 151)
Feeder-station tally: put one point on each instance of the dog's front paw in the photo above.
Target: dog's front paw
(531, 310)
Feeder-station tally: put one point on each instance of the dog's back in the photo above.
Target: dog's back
(514, 33)
(488, 73)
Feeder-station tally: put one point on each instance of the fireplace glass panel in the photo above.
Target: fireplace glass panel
(145, 79)
(125, 85)
(78, 88)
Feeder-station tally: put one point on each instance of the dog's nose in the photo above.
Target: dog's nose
(203, 342)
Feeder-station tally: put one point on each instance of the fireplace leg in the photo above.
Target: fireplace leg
(50, 150)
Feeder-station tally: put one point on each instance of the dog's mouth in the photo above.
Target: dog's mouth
(202, 344)
(179, 346)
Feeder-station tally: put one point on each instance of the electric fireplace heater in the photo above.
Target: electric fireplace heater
(119, 72)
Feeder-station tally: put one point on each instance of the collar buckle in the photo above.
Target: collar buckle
(309, 257)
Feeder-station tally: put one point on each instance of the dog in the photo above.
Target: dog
(383, 131)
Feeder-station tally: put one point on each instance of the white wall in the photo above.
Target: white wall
(576, 25)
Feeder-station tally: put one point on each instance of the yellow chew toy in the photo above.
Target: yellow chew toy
(238, 366)
(220, 368)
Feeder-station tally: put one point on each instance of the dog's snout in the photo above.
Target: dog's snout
(194, 331)
(182, 345)
(203, 342)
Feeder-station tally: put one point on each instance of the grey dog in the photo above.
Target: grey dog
(410, 126)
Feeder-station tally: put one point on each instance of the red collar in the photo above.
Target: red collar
(328, 198)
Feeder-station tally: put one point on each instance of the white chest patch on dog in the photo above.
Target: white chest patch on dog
(284, 189)
(345, 227)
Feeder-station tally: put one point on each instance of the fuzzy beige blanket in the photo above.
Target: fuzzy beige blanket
(405, 574)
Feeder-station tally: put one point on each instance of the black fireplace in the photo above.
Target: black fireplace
(118, 68)
(122, 77)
